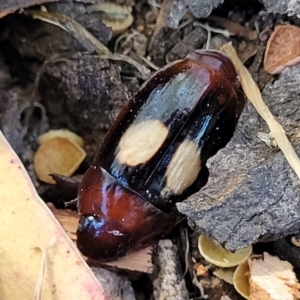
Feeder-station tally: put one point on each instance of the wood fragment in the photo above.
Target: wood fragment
(135, 261)
(140, 261)
(272, 279)
(200, 269)
(253, 94)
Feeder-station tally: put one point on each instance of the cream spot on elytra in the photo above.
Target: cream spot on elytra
(183, 169)
(140, 142)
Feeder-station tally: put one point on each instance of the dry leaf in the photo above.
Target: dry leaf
(116, 17)
(219, 256)
(37, 257)
(8, 7)
(241, 280)
(57, 155)
(63, 133)
(283, 49)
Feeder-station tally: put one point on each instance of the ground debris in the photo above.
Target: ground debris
(252, 194)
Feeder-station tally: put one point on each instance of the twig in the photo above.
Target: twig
(234, 28)
(87, 40)
(187, 250)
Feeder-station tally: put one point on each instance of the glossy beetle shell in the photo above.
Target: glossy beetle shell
(119, 221)
(155, 154)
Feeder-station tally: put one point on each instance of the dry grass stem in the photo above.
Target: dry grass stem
(253, 94)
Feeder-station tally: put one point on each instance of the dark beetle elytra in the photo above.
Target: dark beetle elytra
(155, 154)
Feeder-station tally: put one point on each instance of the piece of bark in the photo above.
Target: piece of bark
(272, 279)
(290, 7)
(169, 283)
(162, 43)
(178, 8)
(286, 250)
(88, 89)
(117, 287)
(135, 261)
(252, 193)
(194, 40)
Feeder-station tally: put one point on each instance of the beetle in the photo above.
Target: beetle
(155, 154)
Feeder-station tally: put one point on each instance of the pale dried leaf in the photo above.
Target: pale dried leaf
(27, 231)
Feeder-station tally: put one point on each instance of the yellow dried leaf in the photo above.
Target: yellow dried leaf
(225, 274)
(241, 279)
(219, 256)
(63, 133)
(57, 155)
(115, 16)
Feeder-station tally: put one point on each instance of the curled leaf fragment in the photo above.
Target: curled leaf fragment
(63, 133)
(225, 274)
(60, 152)
(219, 256)
(241, 280)
(115, 16)
(283, 49)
